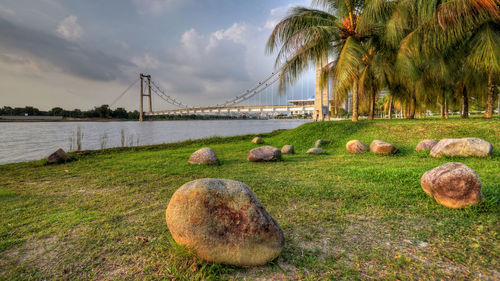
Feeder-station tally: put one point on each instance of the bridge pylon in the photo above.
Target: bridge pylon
(321, 97)
(142, 95)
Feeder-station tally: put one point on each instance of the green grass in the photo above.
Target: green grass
(344, 216)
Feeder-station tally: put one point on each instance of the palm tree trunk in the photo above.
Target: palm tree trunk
(446, 114)
(490, 98)
(413, 105)
(390, 107)
(465, 102)
(372, 107)
(355, 101)
(442, 105)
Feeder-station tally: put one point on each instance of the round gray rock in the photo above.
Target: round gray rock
(453, 185)
(426, 145)
(223, 222)
(320, 143)
(356, 147)
(204, 156)
(315, 151)
(462, 147)
(258, 140)
(288, 149)
(264, 154)
(382, 147)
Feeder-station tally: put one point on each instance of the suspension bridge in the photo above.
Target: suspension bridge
(262, 99)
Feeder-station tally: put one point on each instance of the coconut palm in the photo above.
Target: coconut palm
(307, 36)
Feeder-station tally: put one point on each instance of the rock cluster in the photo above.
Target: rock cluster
(264, 154)
(258, 140)
(222, 221)
(426, 145)
(288, 149)
(204, 156)
(57, 157)
(462, 147)
(453, 185)
(356, 147)
(382, 147)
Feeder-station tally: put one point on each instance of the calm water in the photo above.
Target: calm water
(33, 141)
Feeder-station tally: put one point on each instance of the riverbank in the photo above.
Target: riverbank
(344, 216)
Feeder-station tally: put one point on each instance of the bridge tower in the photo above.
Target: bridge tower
(142, 95)
(321, 99)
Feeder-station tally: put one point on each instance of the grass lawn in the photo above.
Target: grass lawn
(346, 216)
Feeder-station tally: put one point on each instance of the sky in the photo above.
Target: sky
(82, 53)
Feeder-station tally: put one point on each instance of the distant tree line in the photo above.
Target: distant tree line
(102, 111)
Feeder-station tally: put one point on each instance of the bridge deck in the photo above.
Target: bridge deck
(235, 109)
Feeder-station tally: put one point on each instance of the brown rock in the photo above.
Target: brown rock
(462, 147)
(453, 185)
(264, 154)
(222, 221)
(204, 156)
(320, 143)
(382, 147)
(258, 140)
(356, 147)
(288, 149)
(315, 151)
(426, 145)
(57, 157)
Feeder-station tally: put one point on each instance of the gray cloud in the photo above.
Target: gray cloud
(69, 57)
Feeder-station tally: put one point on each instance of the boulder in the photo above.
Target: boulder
(462, 147)
(258, 140)
(315, 151)
(223, 222)
(426, 145)
(356, 147)
(288, 149)
(204, 156)
(264, 154)
(453, 185)
(57, 157)
(382, 147)
(320, 143)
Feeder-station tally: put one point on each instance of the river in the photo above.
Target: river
(25, 141)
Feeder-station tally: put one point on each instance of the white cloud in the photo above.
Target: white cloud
(277, 14)
(155, 7)
(7, 11)
(69, 28)
(146, 62)
(235, 33)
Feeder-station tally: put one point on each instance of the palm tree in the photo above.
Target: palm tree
(305, 36)
(466, 27)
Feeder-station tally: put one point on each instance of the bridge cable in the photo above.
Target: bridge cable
(124, 92)
(161, 93)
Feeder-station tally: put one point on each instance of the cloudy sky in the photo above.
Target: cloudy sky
(81, 53)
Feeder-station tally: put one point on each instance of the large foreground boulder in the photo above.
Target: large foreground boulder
(382, 147)
(222, 221)
(320, 143)
(315, 151)
(356, 147)
(462, 147)
(258, 140)
(204, 156)
(426, 145)
(453, 185)
(264, 154)
(288, 149)
(57, 157)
